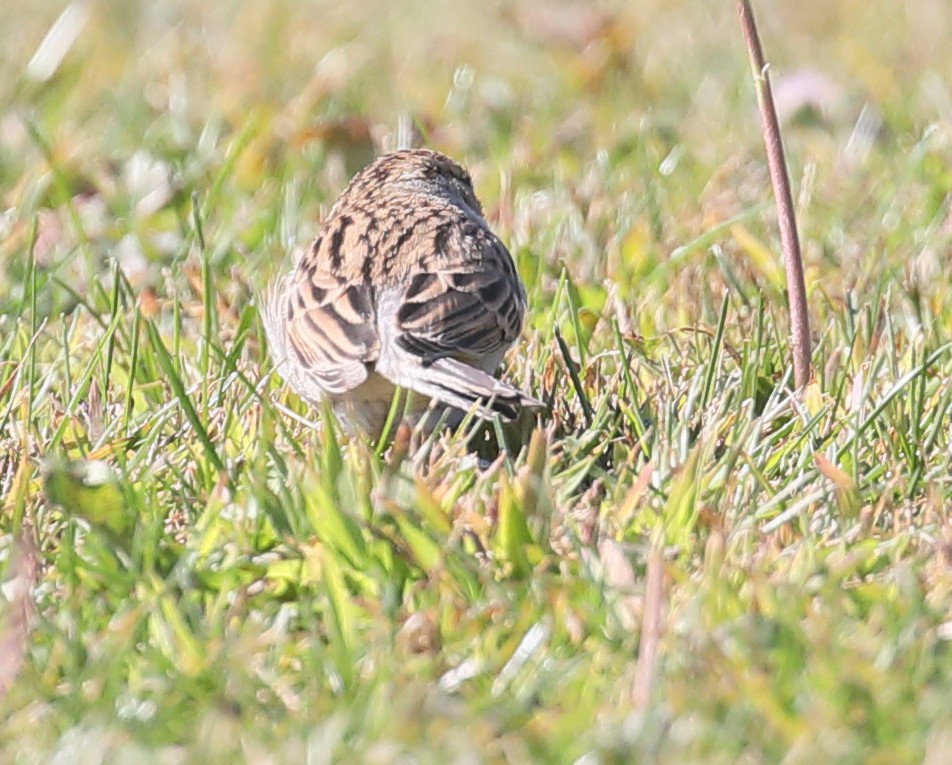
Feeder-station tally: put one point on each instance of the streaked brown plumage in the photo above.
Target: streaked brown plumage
(405, 285)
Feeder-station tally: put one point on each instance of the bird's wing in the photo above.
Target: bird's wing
(467, 303)
(456, 318)
(330, 327)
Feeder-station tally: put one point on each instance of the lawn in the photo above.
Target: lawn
(687, 563)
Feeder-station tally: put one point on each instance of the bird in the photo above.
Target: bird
(404, 287)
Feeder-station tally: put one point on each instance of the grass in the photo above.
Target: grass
(194, 573)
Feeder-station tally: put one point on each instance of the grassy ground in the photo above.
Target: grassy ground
(195, 574)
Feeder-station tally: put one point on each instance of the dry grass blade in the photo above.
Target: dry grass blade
(786, 217)
(650, 630)
(24, 569)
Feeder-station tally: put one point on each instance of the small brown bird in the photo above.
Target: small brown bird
(405, 285)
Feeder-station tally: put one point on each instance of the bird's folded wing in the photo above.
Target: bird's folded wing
(331, 328)
(448, 323)
(469, 308)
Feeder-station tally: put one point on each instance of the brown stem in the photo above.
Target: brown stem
(21, 611)
(651, 627)
(786, 217)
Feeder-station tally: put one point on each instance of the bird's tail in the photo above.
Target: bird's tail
(466, 387)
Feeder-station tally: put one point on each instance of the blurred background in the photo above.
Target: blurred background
(602, 136)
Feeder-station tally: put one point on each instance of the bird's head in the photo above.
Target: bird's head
(423, 170)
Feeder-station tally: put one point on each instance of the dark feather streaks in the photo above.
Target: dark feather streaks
(409, 221)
